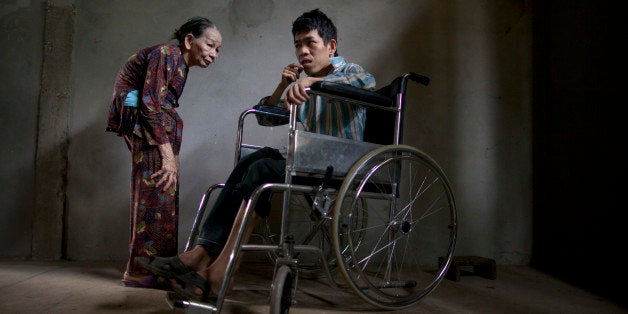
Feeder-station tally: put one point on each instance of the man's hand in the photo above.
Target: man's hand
(291, 73)
(296, 94)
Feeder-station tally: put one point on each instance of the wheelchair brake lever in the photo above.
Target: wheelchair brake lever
(322, 201)
(328, 172)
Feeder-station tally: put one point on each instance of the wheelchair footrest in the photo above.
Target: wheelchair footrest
(175, 301)
(473, 265)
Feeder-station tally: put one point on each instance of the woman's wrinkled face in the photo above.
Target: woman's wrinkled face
(203, 50)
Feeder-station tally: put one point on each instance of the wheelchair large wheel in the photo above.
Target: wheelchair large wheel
(405, 249)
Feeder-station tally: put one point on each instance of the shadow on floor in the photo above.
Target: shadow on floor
(95, 287)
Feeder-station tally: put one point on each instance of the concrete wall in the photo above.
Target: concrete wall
(474, 118)
(21, 39)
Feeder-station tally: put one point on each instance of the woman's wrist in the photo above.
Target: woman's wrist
(165, 150)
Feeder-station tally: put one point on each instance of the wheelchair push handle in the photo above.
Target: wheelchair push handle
(418, 78)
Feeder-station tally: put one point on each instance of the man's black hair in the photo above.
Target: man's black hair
(317, 20)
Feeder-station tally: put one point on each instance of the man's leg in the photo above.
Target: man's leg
(238, 188)
(221, 227)
(215, 273)
(220, 220)
(261, 171)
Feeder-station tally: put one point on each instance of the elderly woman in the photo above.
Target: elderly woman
(142, 111)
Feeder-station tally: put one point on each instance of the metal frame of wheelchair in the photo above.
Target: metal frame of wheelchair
(383, 215)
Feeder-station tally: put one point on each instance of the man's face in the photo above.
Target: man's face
(313, 54)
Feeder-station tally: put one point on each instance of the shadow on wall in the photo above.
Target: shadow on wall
(91, 233)
(474, 118)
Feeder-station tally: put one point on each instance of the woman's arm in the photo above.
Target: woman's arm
(169, 173)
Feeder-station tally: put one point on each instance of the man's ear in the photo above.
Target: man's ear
(187, 41)
(332, 47)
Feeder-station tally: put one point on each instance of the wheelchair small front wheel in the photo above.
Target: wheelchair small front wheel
(281, 294)
(404, 248)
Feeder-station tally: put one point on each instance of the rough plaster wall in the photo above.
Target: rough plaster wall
(474, 118)
(484, 144)
(53, 134)
(21, 39)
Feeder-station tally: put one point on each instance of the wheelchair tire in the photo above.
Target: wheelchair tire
(281, 294)
(405, 249)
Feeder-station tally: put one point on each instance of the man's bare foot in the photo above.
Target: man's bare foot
(215, 278)
(214, 281)
(196, 259)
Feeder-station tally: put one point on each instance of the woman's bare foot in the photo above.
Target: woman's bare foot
(137, 278)
(139, 281)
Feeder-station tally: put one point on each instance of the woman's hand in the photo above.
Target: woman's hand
(169, 173)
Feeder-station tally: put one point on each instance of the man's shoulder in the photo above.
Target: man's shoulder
(351, 67)
(342, 66)
(350, 73)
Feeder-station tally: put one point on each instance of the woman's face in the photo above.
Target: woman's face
(204, 50)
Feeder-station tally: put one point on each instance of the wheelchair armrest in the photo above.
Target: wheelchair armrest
(352, 93)
(270, 115)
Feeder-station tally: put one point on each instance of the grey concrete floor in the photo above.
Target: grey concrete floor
(95, 287)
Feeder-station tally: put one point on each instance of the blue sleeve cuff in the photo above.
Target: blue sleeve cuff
(131, 99)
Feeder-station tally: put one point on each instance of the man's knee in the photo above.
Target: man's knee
(265, 170)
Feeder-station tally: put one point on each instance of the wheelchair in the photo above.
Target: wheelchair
(380, 213)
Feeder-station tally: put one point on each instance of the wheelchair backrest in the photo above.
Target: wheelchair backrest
(384, 116)
(380, 124)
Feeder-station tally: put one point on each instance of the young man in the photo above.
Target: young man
(200, 271)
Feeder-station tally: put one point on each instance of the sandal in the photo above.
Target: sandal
(187, 287)
(156, 266)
